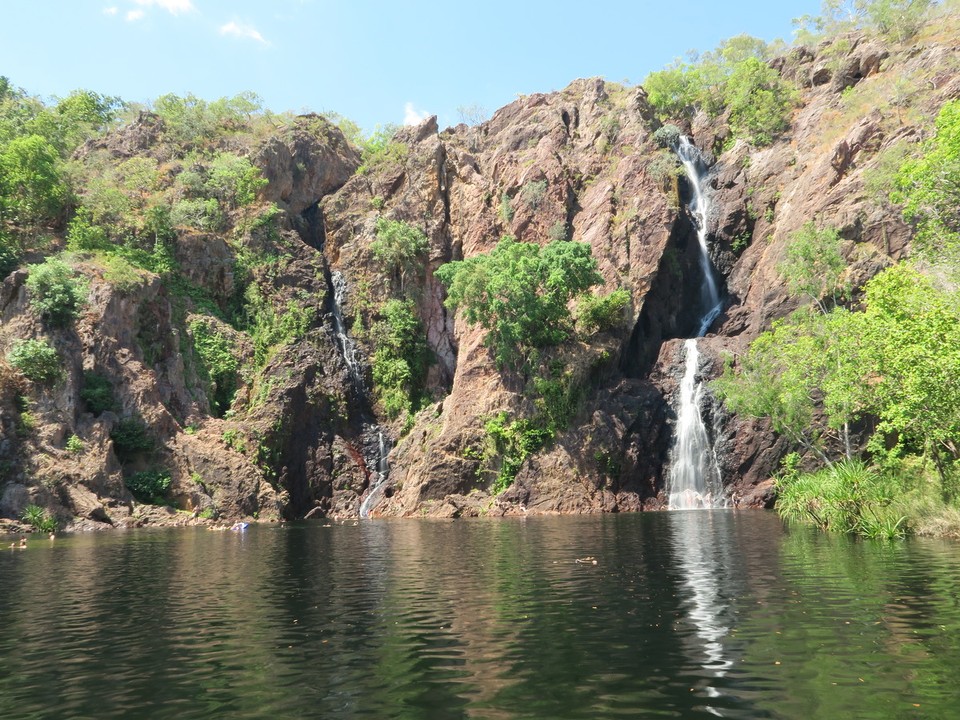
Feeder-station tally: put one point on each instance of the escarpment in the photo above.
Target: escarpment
(257, 370)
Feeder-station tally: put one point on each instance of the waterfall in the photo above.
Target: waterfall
(376, 484)
(694, 480)
(699, 207)
(347, 348)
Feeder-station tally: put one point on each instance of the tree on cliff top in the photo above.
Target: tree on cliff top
(519, 293)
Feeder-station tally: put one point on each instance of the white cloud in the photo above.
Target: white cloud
(241, 30)
(412, 116)
(134, 15)
(174, 7)
(113, 10)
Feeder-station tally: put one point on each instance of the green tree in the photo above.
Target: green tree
(401, 359)
(56, 292)
(518, 292)
(929, 188)
(400, 247)
(32, 188)
(814, 265)
(36, 360)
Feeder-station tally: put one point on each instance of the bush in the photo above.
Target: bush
(55, 291)
(667, 136)
(401, 359)
(74, 445)
(149, 486)
(39, 518)
(602, 313)
(130, 438)
(9, 254)
(36, 360)
(219, 363)
(198, 214)
(399, 247)
(97, 393)
(519, 293)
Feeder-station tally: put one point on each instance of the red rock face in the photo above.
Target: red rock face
(580, 163)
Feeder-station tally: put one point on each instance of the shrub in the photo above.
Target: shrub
(149, 486)
(55, 291)
(74, 445)
(534, 192)
(519, 292)
(198, 214)
(601, 313)
(399, 246)
(667, 136)
(9, 254)
(97, 393)
(39, 518)
(219, 363)
(401, 359)
(36, 360)
(83, 234)
(130, 438)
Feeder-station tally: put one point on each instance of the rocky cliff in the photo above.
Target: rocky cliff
(303, 433)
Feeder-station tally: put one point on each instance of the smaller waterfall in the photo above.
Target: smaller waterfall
(694, 474)
(347, 348)
(700, 209)
(377, 480)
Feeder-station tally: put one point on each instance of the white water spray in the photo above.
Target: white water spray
(347, 348)
(699, 207)
(694, 480)
(383, 468)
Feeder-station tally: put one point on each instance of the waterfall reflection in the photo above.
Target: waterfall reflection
(701, 545)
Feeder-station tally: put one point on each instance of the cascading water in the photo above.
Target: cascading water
(347, 348)
(349, 352)
(694, 480)
(376, 484)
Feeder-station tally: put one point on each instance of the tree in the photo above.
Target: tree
(400, 247)
(55, 291)
(32, 189)
(929, 188)
(518, 292)
(813, 264)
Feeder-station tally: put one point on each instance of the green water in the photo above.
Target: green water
(684, 614)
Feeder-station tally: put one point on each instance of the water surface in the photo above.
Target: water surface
(684, 614)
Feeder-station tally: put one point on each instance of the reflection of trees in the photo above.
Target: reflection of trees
(857, 629)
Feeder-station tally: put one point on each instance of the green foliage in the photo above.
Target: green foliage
(759, 101)
(56, 293)
(131, 438)
(533, 193)
(401, 358)
(519, 293)
(558, 232)
(74, 445)
(897, 19)
(735, 76)
(191, 120)
(149, 486)
(813, 264)
(233, 180)
(9, 254)
(32, 188)
(269, 329)
(380, 151)
(36, 360)
(218, 363)
(97, 393)
(847, 497)
(514, 441)
(39, 519)
(400, 248)
(667, 136)
(601, 313)
(199, 214)
(929, 188)
(506, 210)
(84, 235)
(897, 361)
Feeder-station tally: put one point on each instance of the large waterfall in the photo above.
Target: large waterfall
(694, 480)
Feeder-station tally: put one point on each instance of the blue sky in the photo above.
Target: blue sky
(374, 62)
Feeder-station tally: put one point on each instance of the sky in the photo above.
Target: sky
(373, 62)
